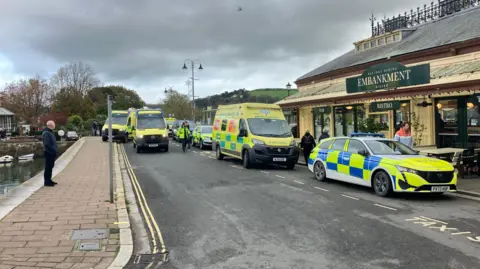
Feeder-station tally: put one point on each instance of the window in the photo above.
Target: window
(403, 114)
(242, 125)
(389, 147)
(339, 144)
(326, 144)
(382, 121)
(206, 129)
(365, 46)
(269, 127)
(373, 44)
(381, 41)
(354, 146)
(224, 125)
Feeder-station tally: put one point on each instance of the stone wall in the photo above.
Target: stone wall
(16, 149)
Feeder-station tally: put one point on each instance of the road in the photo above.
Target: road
(215, 214)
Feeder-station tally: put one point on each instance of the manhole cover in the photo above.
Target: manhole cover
(90, 234)
(89, 246)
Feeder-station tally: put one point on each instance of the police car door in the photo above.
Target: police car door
(356, 161)
(335, 162)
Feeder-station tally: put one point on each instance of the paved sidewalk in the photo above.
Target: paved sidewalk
(469, 185)
(37, 234)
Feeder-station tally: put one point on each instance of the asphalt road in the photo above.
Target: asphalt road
(215, 214)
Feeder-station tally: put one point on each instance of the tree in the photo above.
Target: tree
(123, 98)
(77, 76)
(75, 120)
(72, 102)
(177, 104)
(28, 98)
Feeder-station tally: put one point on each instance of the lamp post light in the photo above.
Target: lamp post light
(200, 67)
(289, 87)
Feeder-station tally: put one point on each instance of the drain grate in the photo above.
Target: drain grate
(89, 246)
(90, 234)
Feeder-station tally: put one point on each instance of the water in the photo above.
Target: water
(16, 173)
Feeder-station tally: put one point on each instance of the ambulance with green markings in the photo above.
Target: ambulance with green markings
(383, 164)
(254, 133)
(149, 129)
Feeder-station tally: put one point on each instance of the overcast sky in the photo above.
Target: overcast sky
(142, 44)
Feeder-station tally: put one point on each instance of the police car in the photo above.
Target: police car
(383, 164)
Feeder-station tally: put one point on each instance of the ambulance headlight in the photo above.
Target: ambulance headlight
(293, 143)
(257, 142)
(140, 136)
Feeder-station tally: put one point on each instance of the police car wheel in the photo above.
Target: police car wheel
(382, 184)
(319, 171)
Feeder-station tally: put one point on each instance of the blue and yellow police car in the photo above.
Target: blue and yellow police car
(383, 164)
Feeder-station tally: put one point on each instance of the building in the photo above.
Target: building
(6, 119)
(208, 115)
(421, 67)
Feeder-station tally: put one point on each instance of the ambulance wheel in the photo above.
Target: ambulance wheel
(319, 171)
(139, 150)
(246, 159)
(290, 166)
(382, 184)
(218, 153)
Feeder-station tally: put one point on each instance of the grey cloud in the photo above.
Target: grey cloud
(139, 41)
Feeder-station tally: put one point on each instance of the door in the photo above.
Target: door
(356, 161)
(335, 162)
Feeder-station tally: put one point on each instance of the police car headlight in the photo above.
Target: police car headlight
(140, 136)
(405, 169)
(257, 142)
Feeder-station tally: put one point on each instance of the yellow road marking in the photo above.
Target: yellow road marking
(142, 197)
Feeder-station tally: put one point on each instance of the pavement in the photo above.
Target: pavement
(216, 214)
(71, 225)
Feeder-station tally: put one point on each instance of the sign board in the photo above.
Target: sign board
(324, 110)
(389, 76)
(61, 133)
(384, 106)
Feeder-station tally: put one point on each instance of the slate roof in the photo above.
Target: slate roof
(5, 112)
(454, 28)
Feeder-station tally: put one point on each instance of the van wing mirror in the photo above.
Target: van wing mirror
(363, 152)
(243, 133)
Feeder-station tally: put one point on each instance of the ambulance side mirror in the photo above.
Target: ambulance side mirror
(243, 133)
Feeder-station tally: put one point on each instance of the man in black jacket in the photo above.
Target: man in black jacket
(307, 143)
(50, 150)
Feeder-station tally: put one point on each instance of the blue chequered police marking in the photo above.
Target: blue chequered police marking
(371, 162)
(310, 161)
(356, 172)
(346, 158)
(332, 166)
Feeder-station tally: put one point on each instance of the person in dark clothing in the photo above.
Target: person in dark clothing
(324, 135)
(50, 150)
(307, 143)
(94, 128)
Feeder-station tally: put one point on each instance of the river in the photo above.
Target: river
(16, 173)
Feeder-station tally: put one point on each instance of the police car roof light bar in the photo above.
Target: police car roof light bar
(367, 135)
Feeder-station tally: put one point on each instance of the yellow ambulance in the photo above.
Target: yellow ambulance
(119, 121)
(254, 133)
(149, 129)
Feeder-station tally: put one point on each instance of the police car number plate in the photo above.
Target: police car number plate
(440, 188)
(153, 145)
(279, 159)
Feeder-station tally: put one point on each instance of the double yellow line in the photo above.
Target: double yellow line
(147, 213)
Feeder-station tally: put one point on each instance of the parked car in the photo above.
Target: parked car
(72, 136)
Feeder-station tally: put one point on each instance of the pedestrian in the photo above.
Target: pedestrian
(307, 143)
(324, 135)
(183, 134)
(404, 136)
(50, 151)
(94, 128)
(190, 136)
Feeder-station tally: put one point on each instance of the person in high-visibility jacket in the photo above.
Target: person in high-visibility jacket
(183, 134)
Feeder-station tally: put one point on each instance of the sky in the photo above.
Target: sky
(143, 44)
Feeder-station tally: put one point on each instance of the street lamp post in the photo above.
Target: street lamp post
(200, 67)
(289, 87)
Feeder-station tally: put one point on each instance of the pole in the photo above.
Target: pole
(110, 148)
(193, 88)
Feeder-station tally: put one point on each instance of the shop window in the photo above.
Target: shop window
(347, 119)
(447, 119)
(382, 121)
(402, 114)
(321, 124)
(473, 123)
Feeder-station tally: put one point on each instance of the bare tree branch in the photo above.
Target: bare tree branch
(76, 75)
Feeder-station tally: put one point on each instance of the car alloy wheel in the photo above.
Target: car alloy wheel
(319, 171)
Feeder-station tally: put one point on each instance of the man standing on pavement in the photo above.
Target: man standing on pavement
(50, 150)
(308, 143)
(94, 128)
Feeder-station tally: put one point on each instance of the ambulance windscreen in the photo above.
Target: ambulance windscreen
(269, 127)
